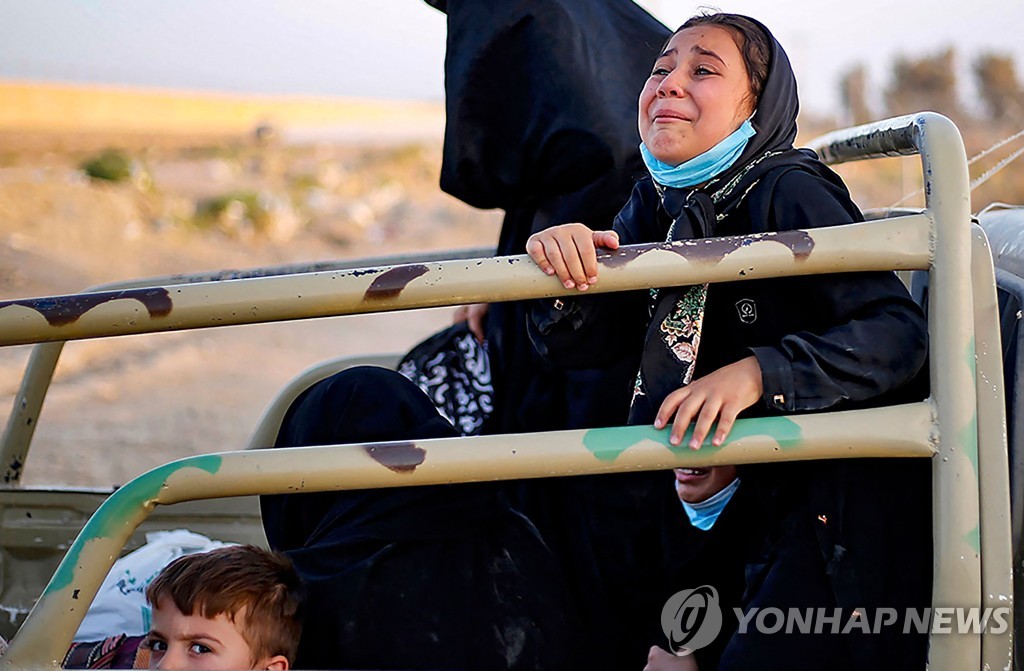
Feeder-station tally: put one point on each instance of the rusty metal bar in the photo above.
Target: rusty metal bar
(899, 431)
(993, 460)
(900, 244)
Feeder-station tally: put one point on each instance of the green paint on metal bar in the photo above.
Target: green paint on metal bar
(784, 430)
(119, 507)
(969, 439)
(608, 444)
(973, 539)
(969, 435)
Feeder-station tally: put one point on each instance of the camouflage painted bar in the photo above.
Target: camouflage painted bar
(27, 406)
(960, 551)
(955, 492)
(899, 244)
(298, 268)
(901, 431)
(955, 496)
(993, 461)
(28, 403)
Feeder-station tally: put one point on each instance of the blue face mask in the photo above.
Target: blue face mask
(700, 169)
(703, 515)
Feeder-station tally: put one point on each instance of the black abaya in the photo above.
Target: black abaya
(435, 577)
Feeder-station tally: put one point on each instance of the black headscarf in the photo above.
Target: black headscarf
(697, 212)
(777, 108)
(771, 148)
(367, 405)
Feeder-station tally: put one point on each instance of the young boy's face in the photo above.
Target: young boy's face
(179, 641)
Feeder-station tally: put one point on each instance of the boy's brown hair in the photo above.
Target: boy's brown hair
(261, 585)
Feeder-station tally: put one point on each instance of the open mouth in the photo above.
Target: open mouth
(691, 474)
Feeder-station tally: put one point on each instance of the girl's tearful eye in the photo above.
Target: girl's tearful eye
(660, 72)
(199, 649)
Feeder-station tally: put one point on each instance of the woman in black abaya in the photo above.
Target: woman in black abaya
(435, 577)
(539, 101)
(718, 119)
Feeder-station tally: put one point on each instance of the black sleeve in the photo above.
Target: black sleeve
(879, 338)
(598, 331)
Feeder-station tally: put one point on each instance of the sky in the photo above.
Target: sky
(395, 48)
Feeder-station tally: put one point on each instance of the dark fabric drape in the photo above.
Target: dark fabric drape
(540, 102)
(540, 98)
(541, 122)
(437, 577)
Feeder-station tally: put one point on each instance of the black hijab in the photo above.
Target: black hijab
(770, 148)
(368, 405)
(777, 108)
(704, 211)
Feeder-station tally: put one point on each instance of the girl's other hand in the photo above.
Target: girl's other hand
(474, 314)
(661, 660)
(721, 395)
(570, 252)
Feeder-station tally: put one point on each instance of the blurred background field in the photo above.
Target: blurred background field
(102, 182)
(264, 183)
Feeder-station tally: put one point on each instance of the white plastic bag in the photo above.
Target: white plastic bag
(120, 606)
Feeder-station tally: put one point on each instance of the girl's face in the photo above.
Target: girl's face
(695, 485)
(698, 93)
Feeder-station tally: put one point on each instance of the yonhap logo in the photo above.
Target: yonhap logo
(691, 619)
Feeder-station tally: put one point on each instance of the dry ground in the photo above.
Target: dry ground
(122, 405)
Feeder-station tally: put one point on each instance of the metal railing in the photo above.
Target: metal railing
(971, 533)
(16, 439)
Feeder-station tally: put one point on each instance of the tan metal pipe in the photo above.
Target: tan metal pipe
(27, 406)
(899, 431)
(993, 460)
(955, 497)
(899, 244)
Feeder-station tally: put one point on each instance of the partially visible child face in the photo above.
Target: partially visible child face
(179, 641)
(699, 484)
(697, 94)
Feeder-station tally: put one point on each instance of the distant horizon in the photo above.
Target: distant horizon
(394, 49)
(201, 92)
(89, 107)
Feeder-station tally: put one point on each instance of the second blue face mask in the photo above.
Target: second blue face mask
(703, 167)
